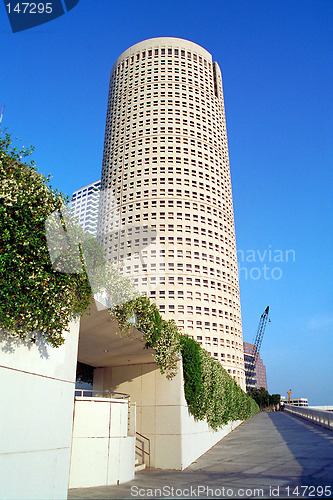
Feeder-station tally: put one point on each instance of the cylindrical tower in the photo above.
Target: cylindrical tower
(166, 206)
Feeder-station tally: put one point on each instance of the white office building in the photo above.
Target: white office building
(85, 205)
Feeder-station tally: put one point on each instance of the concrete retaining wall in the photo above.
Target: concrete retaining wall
(102, 451)
(37, 397)
(176, 438)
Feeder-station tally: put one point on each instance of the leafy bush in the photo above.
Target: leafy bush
(34, 297)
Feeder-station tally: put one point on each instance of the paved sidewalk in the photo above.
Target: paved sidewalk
(262, 458)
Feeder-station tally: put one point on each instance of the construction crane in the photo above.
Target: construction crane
(289, 392)
(256, 348)
(1, 116)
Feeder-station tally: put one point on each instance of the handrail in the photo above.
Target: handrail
(142, 449)
(319, 417)
(101, 394)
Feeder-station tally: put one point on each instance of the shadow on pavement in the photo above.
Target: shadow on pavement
(312, 447)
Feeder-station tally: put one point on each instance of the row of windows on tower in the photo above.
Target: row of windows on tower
(197, 310)
(175, 97)
(190, 295)
(160, 267)
(228, 227)
(184, 54)
(151, 193)
(122, 236)
(160, 57)
(209, 326)
(179, 253)
(160, 81)
(136, 74)
(185, 128)
(154, 283)
(148, 79)
(188, 206)
(136, 170)
(192, 281)
(114, 225)
(174, 66)
(155, 100)
(148, 153)
(179, 281)
(111, 229)
(120, 98)
(155, 113)
(163, 144)
(115, 188)
(131, 124)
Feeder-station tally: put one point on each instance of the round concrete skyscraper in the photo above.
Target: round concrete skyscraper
(166, 206)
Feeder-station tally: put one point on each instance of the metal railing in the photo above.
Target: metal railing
(319, 417)
(88, 393)
(140, 441)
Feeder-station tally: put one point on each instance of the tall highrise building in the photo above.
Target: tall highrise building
(85, 205)
(257, 378)
(166, 203)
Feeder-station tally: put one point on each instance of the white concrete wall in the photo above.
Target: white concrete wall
(102, 451)
(37, 396)
(176, 439)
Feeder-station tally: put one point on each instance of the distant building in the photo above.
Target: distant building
(258, 378)
(85, 206)
(296, 401)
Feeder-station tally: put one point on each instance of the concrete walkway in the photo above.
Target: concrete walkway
(268, 456)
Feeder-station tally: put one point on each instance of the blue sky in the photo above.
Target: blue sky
(277, 64)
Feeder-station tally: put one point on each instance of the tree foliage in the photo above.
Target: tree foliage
(34, 297)
(263, 398)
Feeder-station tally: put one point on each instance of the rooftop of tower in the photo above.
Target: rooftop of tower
(164, 41)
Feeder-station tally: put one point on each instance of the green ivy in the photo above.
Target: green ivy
(211, 393)
(158, 334)
(192, 370)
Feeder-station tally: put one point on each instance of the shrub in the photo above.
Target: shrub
(34, 297)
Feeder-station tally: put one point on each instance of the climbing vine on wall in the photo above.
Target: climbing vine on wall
(158, 334)
(210, 391)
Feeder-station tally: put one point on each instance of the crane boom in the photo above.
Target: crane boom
(257, 344)
(1, 116)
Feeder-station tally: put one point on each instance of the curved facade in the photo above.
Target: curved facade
(166, 206)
